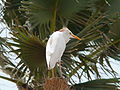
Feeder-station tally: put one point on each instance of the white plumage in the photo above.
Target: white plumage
(56, 46)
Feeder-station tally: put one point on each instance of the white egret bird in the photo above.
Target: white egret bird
(56, 46)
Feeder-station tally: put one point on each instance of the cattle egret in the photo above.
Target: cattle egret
(56, 46)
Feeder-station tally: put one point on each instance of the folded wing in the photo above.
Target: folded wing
(54, 49)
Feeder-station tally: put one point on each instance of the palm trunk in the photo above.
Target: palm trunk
(56, 83)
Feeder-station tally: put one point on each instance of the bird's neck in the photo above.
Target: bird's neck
(66, 38)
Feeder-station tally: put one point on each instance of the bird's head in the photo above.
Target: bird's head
(68, 33)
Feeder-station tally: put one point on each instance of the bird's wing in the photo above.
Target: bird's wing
(54, 49)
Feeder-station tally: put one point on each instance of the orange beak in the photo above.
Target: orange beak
(76, 37)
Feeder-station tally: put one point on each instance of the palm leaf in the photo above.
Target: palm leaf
(101, 84)
(31, 51)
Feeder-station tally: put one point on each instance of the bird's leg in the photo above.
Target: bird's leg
(53, 74)
(60, 66)
(49, 73)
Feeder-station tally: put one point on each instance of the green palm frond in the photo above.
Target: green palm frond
(99, 55)
(97, 43)
(99, 84)
(114, 8)
(31, 51)
(9, 79)
(49, 13)
(30, 48)
(11, 13)
(46, 10)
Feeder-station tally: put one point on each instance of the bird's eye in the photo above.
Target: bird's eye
(70, 33)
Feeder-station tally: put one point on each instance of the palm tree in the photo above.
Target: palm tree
(31, 22)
